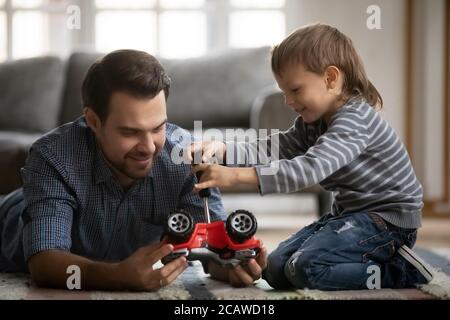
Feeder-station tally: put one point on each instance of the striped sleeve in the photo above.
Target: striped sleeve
(281, 145)
(346, 138)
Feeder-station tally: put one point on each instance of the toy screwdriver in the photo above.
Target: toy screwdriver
(204, 194)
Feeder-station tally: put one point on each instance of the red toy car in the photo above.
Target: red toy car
(229, 244)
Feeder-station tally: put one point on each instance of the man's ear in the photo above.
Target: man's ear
(92, 120)
(333, 78)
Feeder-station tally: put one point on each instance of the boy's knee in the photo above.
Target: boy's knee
(299, 272)
(275, 262)
(274, 272)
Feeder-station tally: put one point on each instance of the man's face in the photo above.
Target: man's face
(306, 92)
(132, 134)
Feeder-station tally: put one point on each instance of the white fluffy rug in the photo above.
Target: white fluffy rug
(194, 284)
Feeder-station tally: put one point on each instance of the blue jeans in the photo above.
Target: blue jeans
(337, 252)
(12, 258)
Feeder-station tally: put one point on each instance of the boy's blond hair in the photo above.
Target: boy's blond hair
(319, 46)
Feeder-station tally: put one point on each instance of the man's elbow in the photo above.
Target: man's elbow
(37, 272)
(44, 269)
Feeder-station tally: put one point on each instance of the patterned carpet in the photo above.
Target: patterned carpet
(194, 284)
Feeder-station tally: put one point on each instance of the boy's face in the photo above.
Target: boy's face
(308, 93)
(132, 134)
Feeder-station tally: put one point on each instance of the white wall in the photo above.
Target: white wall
(382, 51)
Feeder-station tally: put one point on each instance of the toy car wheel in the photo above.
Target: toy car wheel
(179, 226)
(241, 225)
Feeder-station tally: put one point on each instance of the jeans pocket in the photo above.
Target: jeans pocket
(381, 253)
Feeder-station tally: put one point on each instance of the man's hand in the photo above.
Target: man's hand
(210, 151)
(214, 175)
(241, 276)
(138, 273)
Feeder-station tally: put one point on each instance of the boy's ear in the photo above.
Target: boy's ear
(92, 120)
(332, 77)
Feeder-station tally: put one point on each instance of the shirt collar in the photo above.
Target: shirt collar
(102, 172)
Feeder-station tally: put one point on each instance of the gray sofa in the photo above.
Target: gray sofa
(231, 89)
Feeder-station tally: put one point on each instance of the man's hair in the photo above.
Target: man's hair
(319, 46)
(134, 72)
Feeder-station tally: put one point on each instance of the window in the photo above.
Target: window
(2, 36)
(187, 38)
(171, 28)
(30, 28)
(168, 28)
(136, 30)
(250, 29)
(3, 53)
(30, 34)
(248, 24)
(181, 28)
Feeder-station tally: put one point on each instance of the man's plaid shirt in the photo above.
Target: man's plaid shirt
(74, 203)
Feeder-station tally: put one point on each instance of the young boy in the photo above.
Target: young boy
(341, 142)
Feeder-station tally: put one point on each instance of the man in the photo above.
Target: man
(97, 191)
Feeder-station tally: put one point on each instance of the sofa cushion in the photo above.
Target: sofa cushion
(14, 148)
(31, 94)
(218, 89)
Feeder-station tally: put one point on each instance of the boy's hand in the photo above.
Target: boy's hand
(137, 270)
(210, 150)
(214, 175)
(241, 276)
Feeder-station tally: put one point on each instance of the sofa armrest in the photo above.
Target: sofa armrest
(14, 148)
(270, 112)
